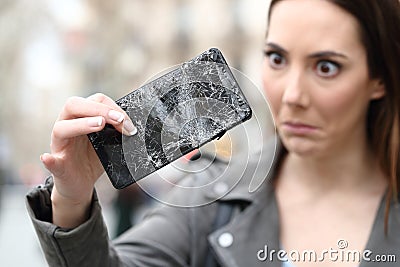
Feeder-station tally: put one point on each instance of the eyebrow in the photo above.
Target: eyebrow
(277, 47)
(327, 53)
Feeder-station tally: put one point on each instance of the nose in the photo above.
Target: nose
(295, 92)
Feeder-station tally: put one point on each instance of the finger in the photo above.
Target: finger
(52, 164)
(102, 98)
(66, 129)
(128, 128)
(78, 107)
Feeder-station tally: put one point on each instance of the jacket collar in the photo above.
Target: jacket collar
(248, 176)
(255, 232)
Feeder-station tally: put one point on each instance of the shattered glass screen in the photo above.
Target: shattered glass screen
(176, 113)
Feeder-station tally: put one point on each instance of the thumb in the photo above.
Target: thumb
(52, 163)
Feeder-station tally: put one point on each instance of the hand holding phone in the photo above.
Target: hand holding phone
(174, 114)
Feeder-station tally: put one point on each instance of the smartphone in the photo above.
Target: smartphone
(189, 106)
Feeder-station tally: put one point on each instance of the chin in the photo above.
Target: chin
(300, 146)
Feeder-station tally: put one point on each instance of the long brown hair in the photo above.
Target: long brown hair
(379, 26)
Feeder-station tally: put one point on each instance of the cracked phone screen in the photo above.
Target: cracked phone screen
(196, 102)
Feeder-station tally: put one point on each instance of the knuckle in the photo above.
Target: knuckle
(98, 97)
(71, 101)
(101, 108)
(56, 133)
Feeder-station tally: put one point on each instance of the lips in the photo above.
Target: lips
(298, 128)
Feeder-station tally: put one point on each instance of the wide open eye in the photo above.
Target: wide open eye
(276, 61)
(327, 69)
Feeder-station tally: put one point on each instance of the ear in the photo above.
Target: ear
(378, 89)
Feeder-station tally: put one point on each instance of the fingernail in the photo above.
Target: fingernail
(43, 155)
(95, 121)
(116, 116)
(129, 129)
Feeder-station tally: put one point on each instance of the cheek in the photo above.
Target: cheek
(343, 108)
(347, 99)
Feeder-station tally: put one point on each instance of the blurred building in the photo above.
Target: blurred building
(51, 50)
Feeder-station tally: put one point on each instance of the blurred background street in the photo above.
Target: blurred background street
(19, 245)
(53, 49)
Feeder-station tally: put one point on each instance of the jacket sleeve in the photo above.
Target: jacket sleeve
(162, 239)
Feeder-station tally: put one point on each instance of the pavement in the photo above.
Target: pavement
(19, 245)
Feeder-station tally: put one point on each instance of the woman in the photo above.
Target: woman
(331, 75)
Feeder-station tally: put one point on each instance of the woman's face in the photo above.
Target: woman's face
(315, 75)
